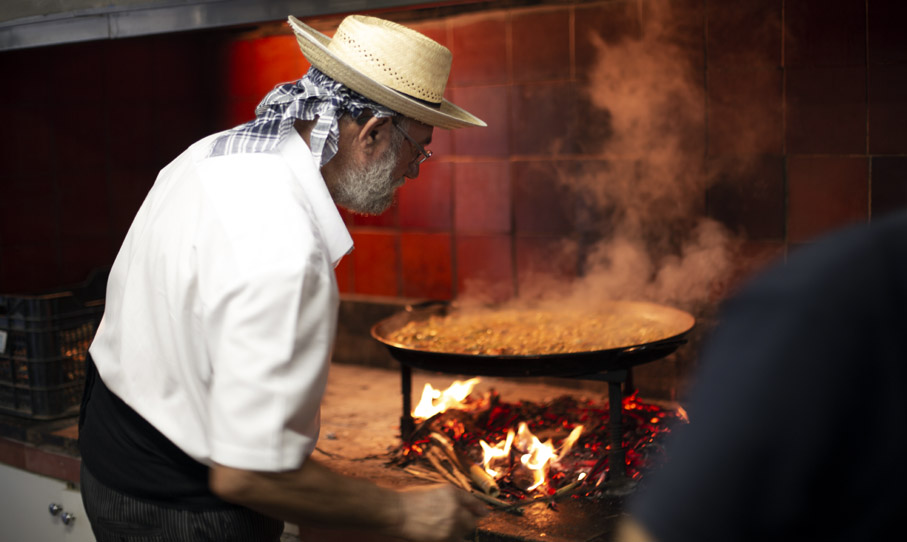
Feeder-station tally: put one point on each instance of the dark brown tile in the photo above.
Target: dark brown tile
(749, 197)
(887, 39)
(130, 147)
(542, 119)
(81, 66)
(255, 66)
(600, 26)
(745, 113)
(76, 137)
(541, 204)
(540, 259)
(485, 267)
(127, 67)
(482, 199)
(28, 211)
(681, 24)
(375, 263)
(889, 185)
(425, 203)
(549, 56)
(29, 268)
(427, 265)
(825, 193)
(81, 256)
(888, 109)
(490, 104)
(826, 111)
(820, 33)
(178, 126)
(436, 30)
(85, 209)
(744, 33)
(479, 50)
(28, 148)
(751, 258)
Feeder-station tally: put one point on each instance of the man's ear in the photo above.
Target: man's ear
(372, 132)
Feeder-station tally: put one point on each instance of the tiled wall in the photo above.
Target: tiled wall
(793, 113)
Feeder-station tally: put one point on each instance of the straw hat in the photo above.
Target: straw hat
(389, 63)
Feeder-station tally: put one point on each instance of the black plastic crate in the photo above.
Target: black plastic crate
(44, 341)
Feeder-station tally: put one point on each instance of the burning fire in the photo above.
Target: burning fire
(510, 450)
(535, 456)
(435, 401)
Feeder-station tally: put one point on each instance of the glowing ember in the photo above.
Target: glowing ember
(528, 448)
(435, 401)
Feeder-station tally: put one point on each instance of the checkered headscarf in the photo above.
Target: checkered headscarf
(315, 95)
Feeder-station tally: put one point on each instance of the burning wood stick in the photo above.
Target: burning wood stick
(433, 457)
(476, 473)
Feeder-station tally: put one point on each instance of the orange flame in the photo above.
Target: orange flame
(435, 401)
(535, 456)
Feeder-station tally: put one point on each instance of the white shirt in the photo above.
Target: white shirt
(222, 304)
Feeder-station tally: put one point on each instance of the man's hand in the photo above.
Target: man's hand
(316, 495)
(439, 513)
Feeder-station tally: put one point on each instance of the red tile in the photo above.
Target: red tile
(29, 268)
(592, 125)
(255, 66)
(745, 111)
(825, 193)
(479, 50)
(819, 33)
(887, 39)
(427, 266)
(482, 197)
(541, 204)
(744, 33)
(485, 267)
(61, 467)
(374, 262)
(425, 202)
(490, 104)
(85, 209)
(81, 256)
(549, 56)
(344, 274)
(888, 109)
(540, 259)
(889, 185)
(235, 111)
(826, 110)
(78, 129)
(436, 30)
(749, 197)
(543, 118)
(602, 26)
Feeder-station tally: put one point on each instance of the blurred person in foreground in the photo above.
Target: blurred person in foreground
(201, 408)
(798, 418)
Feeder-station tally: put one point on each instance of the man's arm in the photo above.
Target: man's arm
(314, 494)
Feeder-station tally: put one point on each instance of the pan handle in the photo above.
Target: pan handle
(423, 305)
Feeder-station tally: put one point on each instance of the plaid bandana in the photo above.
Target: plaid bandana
(315, 95)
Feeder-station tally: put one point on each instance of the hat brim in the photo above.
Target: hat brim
(314, 46)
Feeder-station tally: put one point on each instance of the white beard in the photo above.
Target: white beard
(369, 189)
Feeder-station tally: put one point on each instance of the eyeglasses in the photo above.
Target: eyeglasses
(425, 154)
